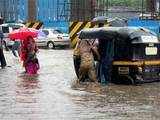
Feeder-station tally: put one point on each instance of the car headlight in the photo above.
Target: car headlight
(140, 70)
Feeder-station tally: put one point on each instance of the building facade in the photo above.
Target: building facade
(9, 10)
(23, 10)
(53, 13)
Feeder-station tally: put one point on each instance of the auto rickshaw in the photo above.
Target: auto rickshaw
(134, 54)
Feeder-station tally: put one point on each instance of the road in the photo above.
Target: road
(54, 95)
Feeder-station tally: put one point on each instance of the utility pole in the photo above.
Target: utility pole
(157, 6)
(142, 7)
(159, 9)
(151, 7)
(1, 20)
(32, 10)
(107, 7)
(5, 11)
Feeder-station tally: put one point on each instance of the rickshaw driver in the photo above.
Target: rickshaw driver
(87, 67)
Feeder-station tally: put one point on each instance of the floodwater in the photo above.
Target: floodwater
(54, 95)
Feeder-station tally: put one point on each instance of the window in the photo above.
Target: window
(45, 32)
(5, 29)
(57, 32)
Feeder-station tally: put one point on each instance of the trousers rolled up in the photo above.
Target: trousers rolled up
(2, 58)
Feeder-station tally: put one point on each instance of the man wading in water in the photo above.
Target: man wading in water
(87, 65)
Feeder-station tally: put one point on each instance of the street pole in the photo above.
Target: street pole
(142, 8)
(107, 8)
(4, 10)
(159, 9)
(32, 10)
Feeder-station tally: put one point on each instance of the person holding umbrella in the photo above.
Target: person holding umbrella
(28, 48)
(2, 58)
(28, 55)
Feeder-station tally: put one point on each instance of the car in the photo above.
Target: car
(51, 38)
(134, 54)
(7, 28)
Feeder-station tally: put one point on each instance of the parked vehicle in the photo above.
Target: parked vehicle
(136, 53)
(7, 28)
(51, 38)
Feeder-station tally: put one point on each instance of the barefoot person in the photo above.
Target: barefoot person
(28, 56)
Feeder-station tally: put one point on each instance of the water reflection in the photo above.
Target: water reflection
(27, 88)
(28, 82)
(50, 96)
(122, 102)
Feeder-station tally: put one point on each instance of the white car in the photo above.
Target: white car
(51, 38)
(7, 28)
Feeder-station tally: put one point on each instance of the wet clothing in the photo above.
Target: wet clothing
(87, 67)
(2, 58)
(1, 39)
(29, 58)
(106, 50)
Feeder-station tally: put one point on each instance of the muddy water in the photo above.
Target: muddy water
(54, 95)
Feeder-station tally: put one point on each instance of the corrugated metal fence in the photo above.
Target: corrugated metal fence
(48, 12)
(61, 25)
(153, 25)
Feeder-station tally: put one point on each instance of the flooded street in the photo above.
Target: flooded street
(52, 95)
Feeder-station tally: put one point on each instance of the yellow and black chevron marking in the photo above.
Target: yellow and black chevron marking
(34, 24)
(76, 27)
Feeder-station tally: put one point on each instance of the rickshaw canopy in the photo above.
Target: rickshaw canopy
(128, 34)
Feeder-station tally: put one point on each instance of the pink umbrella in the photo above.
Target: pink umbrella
(23, 33)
